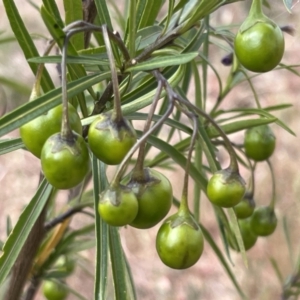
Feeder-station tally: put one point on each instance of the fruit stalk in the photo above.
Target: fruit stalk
(169, 110)
(139, 166)
(273, 200)
(117, 112)
(66, 131)
(233, 165)
(184, 203)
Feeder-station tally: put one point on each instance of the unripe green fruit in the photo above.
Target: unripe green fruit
(249, 238)
(65, 163)
(245, 207)
(259, 43)
(118, 206)
(65, 265)
(259, 142)
(226, 188)
(260, 48)
(110, 140)
(179, 242)
(154, 194)
(35, 133)
(54, 291)
(263, 221)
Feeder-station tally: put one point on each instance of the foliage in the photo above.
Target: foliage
(159, 62)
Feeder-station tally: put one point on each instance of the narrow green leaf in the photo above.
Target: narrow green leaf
(119, 269)
(101, 232)
(33, 109)
(25, 41)
(235, 226)
(84, 60)
(260, 112)
(181, 146)
(222, 259)
(131, 28)
(9, 145)
(238, 126)
(179, 159)
(73, 12)
(129, 279)
(18, 236)
(54, 11)
(104, 18)
(169, 15)
(147, 36)
(75, 71)
(150, 12)
(67, 242)
(139, 99)
(163, 61)
(170, 122)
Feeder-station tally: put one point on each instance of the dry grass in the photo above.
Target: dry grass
(207, 279)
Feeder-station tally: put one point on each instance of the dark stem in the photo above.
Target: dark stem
(36, 91)
(66, 131)
(79, 26)
(33, 288)
(59, 219)
(170, 93)
(26, 256)
(233, 160)
(141, 155)
(89, 14)
(184, 198)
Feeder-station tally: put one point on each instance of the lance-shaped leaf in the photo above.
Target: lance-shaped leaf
(19, 234)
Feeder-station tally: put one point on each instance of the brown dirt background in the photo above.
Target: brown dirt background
(207, 279)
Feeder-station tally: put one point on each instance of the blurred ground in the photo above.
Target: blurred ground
(207, 279)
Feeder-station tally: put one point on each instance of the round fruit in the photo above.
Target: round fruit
(109, 140)
(263, 221)
(259, 43)
(118, 206)
(249, 238)
(179, 242)
(245, 208)
(65, 265)
(226, 188)
(259, 142)
(54, 291)
(154, 194)
(65, 163)
(35, 133)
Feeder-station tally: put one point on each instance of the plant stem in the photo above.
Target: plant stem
(66, 131)
(36, 90)
(117, 112)
(79, 26)
(273, 200)
(33, 288)
(170, 93)
(141, 155)
(184, 202)
(233, 160)
(255, 9)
